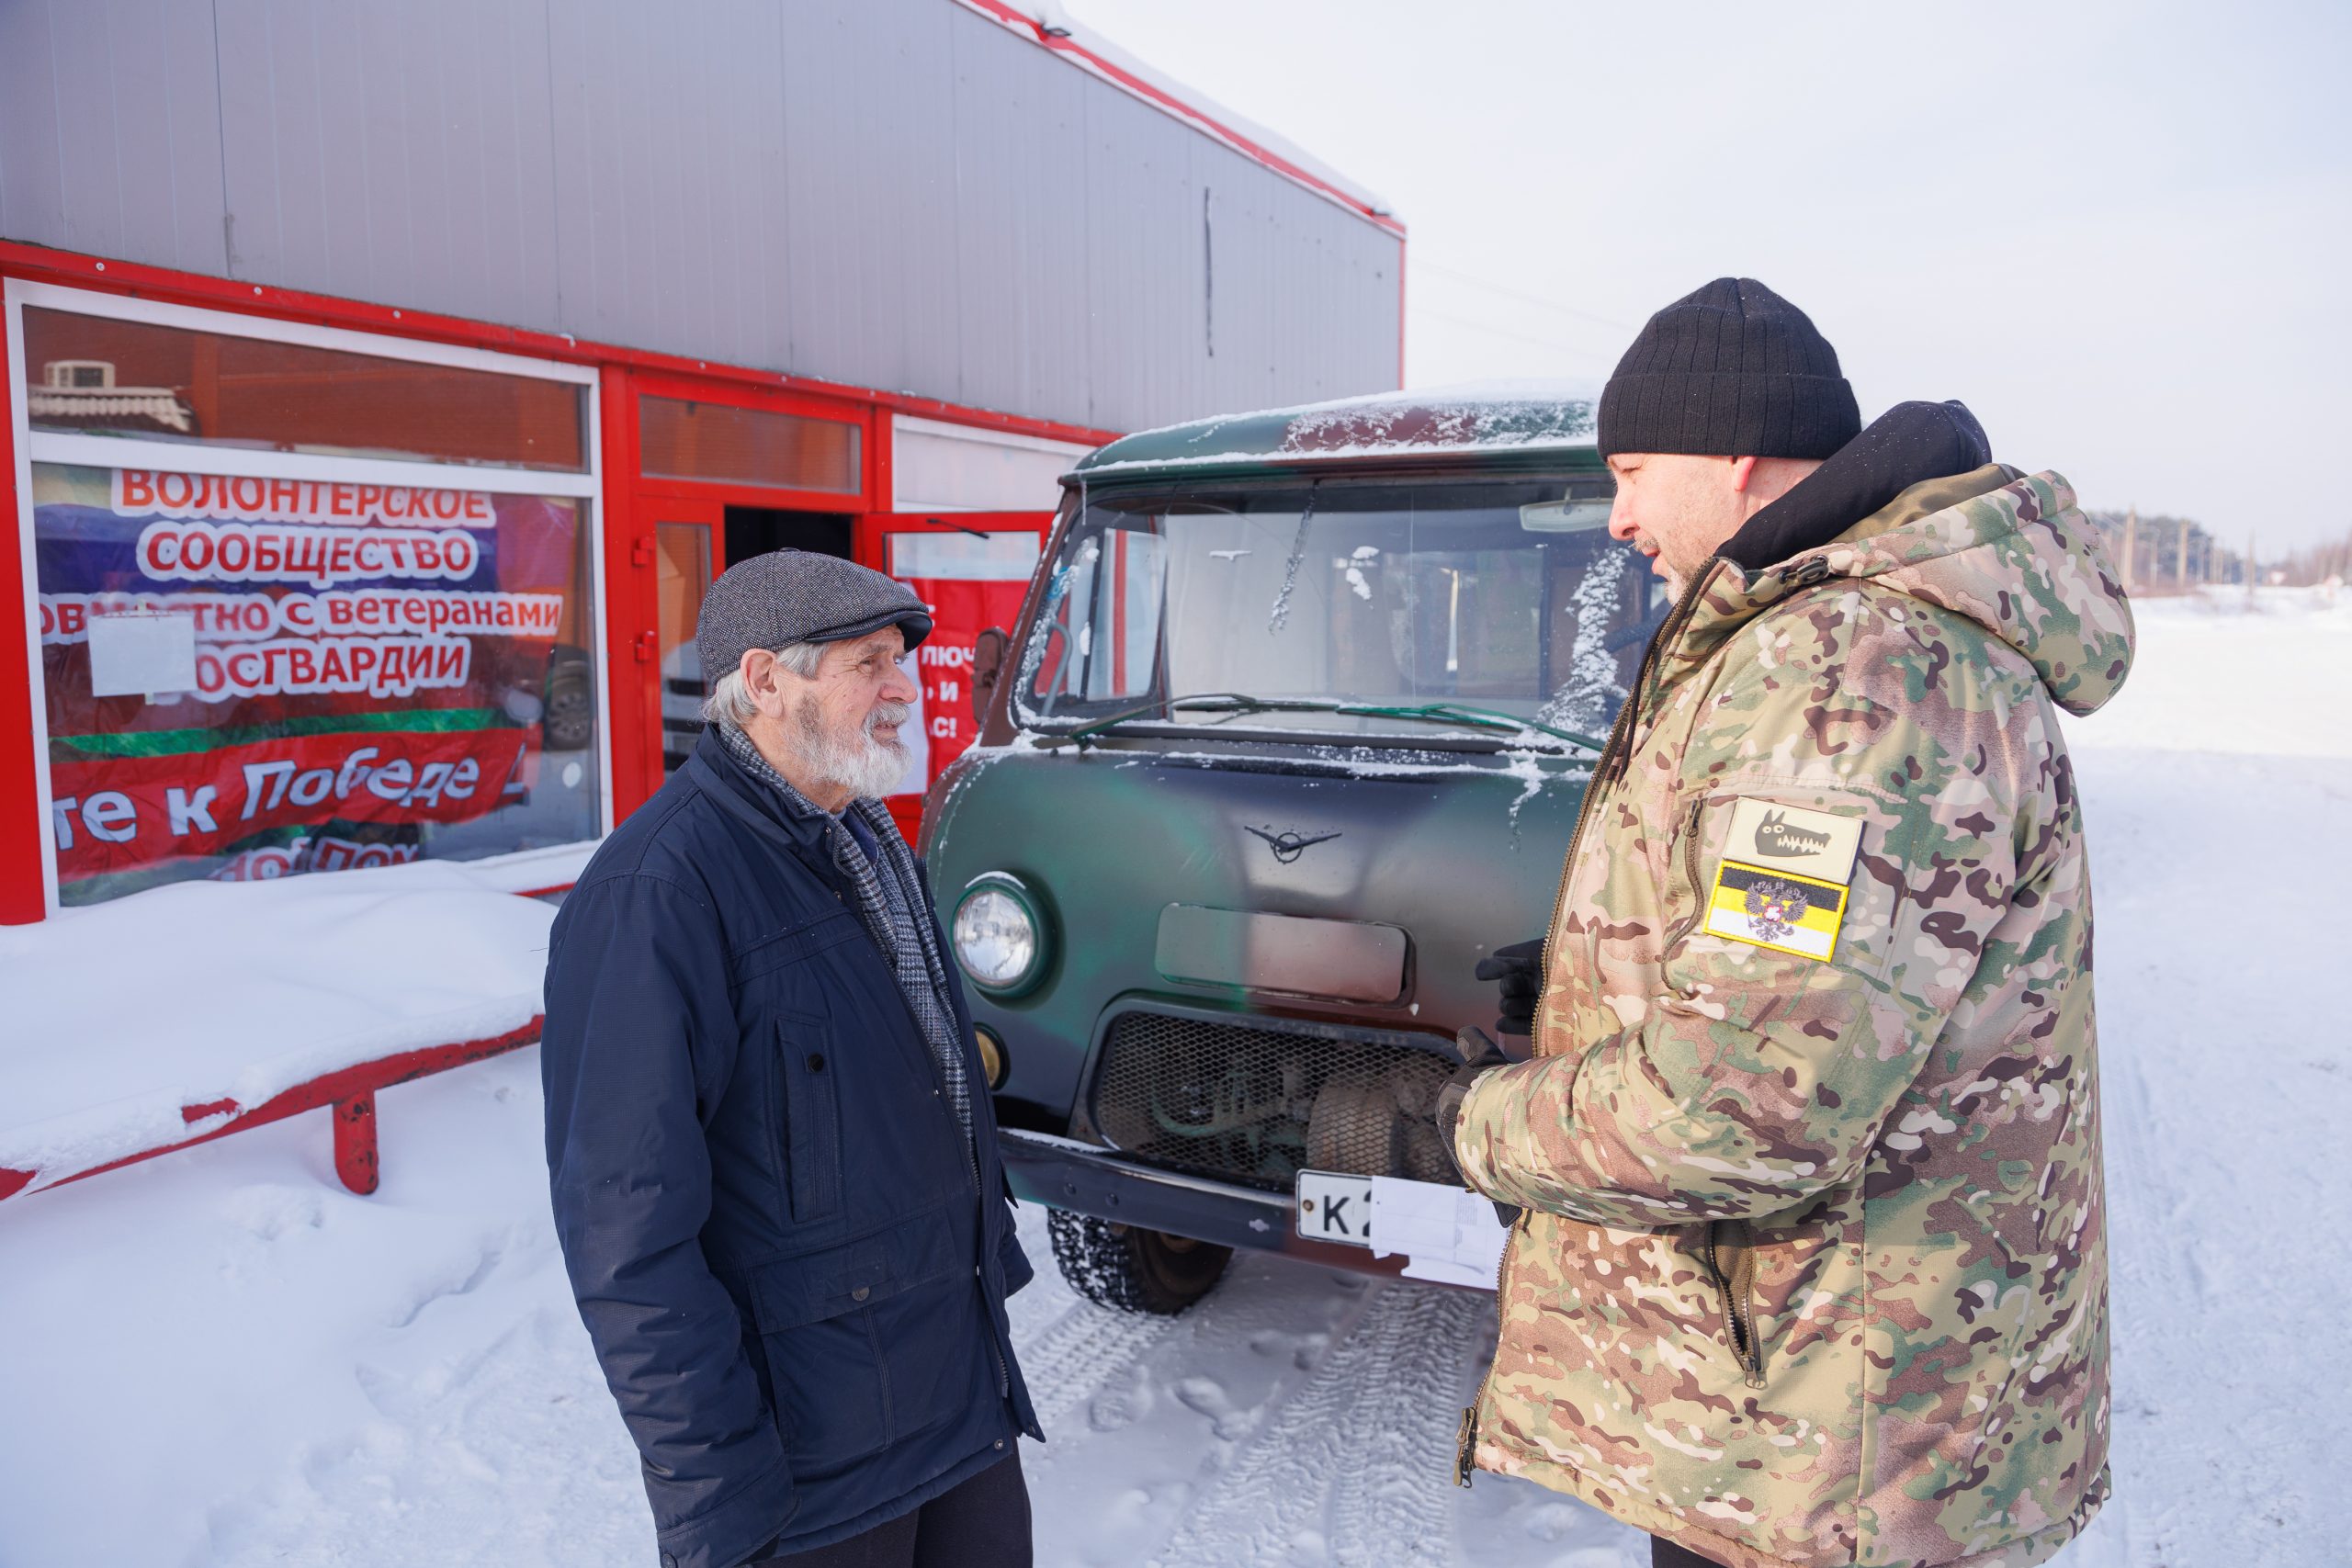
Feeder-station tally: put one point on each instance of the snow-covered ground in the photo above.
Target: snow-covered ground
(222, 1358)
(134, 1025)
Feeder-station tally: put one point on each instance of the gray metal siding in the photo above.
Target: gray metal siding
(402, 154)
(1019, 117)
(110, 129)
(1141, 228)
(869, 113)
(670, 178)
(895, 194)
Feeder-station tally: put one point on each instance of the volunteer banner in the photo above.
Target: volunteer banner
(116, 812)
(260, 677)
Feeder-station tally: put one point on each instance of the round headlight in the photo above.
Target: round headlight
(999, 937)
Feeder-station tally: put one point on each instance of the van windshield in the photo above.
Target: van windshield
(1502, 595)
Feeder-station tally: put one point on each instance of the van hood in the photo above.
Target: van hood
(1457, 855)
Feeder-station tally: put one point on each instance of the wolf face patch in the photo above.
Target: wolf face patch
(1783, 881)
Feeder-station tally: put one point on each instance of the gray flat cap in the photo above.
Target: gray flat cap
(799, 596)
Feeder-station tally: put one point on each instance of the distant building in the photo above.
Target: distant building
(2160, 555)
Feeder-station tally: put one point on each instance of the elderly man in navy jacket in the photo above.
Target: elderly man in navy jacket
(769, 1142)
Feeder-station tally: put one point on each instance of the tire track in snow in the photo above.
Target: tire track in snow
(1394, 1504)
(1074, 1355)
(1364, 1442)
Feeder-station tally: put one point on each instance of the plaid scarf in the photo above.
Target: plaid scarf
(890, 902)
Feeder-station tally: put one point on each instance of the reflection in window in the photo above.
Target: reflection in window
(93, 375)
(682, 576)
(1004, 556)
(720, 443)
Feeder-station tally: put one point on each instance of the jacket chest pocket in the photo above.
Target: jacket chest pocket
(811, 1120)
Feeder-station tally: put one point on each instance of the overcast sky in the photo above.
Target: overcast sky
(2122, 234)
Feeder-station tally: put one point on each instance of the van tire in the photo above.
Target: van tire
(1128, 1269)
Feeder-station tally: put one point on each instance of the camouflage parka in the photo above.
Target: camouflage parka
(1813, 1269)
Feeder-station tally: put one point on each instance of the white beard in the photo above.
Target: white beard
(863, 763)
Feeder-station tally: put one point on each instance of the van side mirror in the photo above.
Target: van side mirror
(987, 663)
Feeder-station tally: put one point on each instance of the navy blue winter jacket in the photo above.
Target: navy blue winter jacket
(793, 1273)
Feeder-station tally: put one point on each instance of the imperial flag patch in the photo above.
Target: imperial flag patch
(1783, 881)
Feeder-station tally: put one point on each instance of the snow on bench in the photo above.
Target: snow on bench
(187, 1012)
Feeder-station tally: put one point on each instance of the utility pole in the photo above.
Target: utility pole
(2253, 567)
(2130, 539)
(2180, 562)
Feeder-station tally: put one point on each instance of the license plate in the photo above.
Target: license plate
(1333, 1207)
(1442, 1232)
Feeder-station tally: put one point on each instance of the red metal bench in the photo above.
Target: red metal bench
(350, 1092)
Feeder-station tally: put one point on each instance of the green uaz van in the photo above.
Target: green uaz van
(1291, 732)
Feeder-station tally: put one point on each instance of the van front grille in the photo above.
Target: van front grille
(1257, 1102)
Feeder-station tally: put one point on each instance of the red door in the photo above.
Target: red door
(972, 569)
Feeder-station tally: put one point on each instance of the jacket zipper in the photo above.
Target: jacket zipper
(1733, 1290)
(1691, 870)
(1619, 742)
(830, 877)
(971, 1162)
(1613, 752)
(1465, 1435)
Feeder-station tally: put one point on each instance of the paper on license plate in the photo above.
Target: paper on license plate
(1445, 1234)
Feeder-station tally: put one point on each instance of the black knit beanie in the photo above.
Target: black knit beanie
(1730, 370)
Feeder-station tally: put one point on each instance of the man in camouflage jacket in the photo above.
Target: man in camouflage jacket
(1811, 1266)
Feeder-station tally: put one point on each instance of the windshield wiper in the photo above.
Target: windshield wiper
(1241, 703)
(1211, 702)
(1478, 718)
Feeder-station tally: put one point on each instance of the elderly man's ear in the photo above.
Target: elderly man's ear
(764, 681)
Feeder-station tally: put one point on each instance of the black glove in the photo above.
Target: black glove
(1479, 1055)
(1518, 971)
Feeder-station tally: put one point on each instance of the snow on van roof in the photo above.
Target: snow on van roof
(1480, 416)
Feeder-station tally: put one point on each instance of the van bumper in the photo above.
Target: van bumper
(1062, 1173)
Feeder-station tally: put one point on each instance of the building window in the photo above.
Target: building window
(938, 467)
(145, 381)
(717, 443)
(273, 660)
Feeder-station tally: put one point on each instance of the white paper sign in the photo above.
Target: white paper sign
(1446, 1234)
(142, 655)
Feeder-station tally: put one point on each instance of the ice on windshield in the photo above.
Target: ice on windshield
(1113, 581)
(1595, 684)
(1388, 596)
